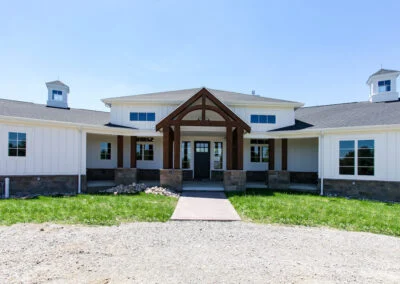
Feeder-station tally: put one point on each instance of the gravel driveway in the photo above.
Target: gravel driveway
(193, 252)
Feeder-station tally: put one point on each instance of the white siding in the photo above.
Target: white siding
(303, 155)
(120, 115)
(93, 153)
(387, 156)
(247, 164)
(50, 151)
(93, 160)
(284, 117)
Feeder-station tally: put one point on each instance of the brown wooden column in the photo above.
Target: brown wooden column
(166, 144)
(229, 147)
(271, 162)
(133, 152)
(284, 154)
(120, 151)
(177, 148)
(239, 137)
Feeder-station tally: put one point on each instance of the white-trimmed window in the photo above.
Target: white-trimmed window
(384, 86)
(186, 154)
(259, 151)
(145, 149)
(105, 151)
(16, 144)
(363, 159)
(218, 156)
(57, 95)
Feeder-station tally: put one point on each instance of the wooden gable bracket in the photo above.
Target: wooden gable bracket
(175, 118)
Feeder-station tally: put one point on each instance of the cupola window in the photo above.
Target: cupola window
(57, 95)
(384, 86)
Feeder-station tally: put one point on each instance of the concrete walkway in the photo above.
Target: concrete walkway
(201, 205)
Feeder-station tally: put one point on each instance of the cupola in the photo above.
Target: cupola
(57, 94)
(383, 86)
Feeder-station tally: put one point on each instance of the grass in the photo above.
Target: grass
(263, 206)
(88, 209)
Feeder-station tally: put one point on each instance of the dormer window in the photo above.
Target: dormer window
(384, 86)
(57, 96)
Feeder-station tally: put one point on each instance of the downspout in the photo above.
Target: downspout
(80, 162)
(321, 139)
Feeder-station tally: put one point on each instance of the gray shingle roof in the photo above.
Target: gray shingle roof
(183, 95)
(57, 82)
(39, 111)
(346, 115)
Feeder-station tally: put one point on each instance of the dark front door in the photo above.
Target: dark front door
(201, 160)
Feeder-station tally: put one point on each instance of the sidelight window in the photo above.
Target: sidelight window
(186, 149)
(218, 156)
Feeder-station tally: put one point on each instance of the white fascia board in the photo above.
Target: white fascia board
(316, 132)
(98, 129)
(382, 77)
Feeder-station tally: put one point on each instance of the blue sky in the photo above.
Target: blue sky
(316, 52)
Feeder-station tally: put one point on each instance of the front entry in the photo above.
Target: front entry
(201, 160)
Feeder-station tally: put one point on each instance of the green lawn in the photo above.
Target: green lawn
(88, 209)
(263, 206)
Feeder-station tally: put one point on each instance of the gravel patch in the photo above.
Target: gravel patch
(192, 252)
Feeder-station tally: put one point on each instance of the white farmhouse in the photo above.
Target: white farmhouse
(204, 138)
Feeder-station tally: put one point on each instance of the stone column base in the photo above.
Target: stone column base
(235, 180)
(125, 176)
(171, 178)
(278, 179)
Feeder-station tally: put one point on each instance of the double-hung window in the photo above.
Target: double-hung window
(357, 157)
(259, 151)
(16, 144)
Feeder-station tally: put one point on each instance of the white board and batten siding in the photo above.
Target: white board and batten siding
(302, 155)
(387, 156)
(120, 114)
(93, 153)
(49, 151)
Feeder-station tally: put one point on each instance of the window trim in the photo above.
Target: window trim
(221, 155)
(108, 153)
(386, 84)
(356, 158)
(261, 145)
(17, 148)
(142, 116)
(142, 146)
(263, 118)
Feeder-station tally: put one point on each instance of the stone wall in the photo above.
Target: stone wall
(125, 176)
(278, 179)
(378, 190)
(171, 178)
(43, 185)
(260, 176)
(235, 180)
